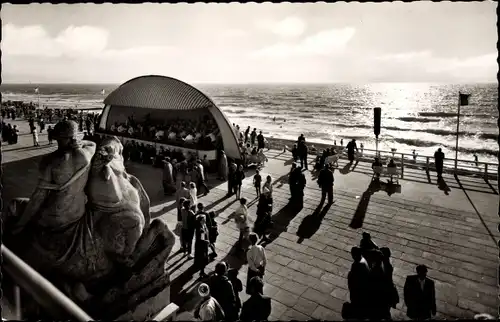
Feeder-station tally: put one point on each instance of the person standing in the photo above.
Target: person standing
(241, 220)
(210, 223)
(351, 146)
(232, 275)
(325, 181)
(182, 195)
(298, 183)
(50, 134)
(35, 137)
(258, 306)
(231, 178)
(209, 309)
(438, 161)
(358, 284)
(193, 194)
(420, 295)
(42, 125)
(168, 177)
(256, 258)
(223, 167)
(253, 136)
(260, 141)
(263, 221)
(476, 160)
(201, 176)
(247, 132)
(201, 245)
(238, 177)
(302, 152)
(222, 291)
(188, 222)
(257, 181)
(301, 139)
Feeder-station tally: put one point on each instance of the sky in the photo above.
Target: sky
(424, 41)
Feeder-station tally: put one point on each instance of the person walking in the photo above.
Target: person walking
(326, 181)
(256, 258)
(420, 295)
(253, 136)
(50, 134)
(298, 184)
(438, 161)
(258, 306)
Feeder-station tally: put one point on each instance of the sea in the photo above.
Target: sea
(415, 116)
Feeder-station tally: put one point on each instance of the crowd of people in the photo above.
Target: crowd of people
(373, 293)
(201, 134)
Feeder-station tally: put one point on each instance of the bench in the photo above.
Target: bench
(386, 172)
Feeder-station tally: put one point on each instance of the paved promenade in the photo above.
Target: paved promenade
(449, 228)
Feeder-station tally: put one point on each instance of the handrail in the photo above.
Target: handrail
(424, 156)
(44, 292)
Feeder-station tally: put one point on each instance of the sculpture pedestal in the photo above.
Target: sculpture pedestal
(148, 309)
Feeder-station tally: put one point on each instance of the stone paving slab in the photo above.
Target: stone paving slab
(307, 279)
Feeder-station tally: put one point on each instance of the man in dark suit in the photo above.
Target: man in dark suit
(438, 161)
(325, 181)
(359, 284)
(420, 295)
(258, 306)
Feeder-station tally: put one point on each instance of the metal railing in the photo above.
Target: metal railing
(42, 291)
(486, 169)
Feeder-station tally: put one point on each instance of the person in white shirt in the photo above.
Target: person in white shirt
(171, 136)
(131, 131)
(256, 258)
(160, 134)
(189, 138)
(193, 193)
(241, 220)
(209, 309)
(121, 129)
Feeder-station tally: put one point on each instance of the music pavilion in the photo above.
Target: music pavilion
(162, 99)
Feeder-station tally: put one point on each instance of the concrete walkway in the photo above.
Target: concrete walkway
(453, 234)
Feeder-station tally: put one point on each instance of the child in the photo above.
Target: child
(257, 179)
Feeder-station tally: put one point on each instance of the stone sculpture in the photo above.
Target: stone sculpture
(104, 253)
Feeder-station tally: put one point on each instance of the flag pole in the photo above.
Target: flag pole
(458, 128)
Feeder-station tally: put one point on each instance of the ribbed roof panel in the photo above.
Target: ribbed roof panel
(158, 92)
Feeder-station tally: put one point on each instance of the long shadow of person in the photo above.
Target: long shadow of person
(346, 168)
(443, 186)
(359, 214)
(282, 219)
(311, 223)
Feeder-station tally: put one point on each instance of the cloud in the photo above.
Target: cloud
(234, 33)
(72, 42)
(406, 56)
(290, 27)
(326, 42)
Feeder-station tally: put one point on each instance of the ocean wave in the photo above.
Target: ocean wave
(416, 119)
(447, 114)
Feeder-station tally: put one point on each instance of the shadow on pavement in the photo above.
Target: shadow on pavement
(282, 219)
(311, 223)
